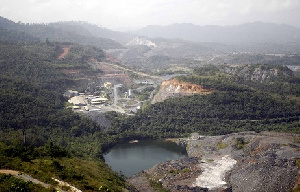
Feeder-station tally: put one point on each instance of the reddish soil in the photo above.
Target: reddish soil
(108, 69)
(11, 172)
(66, 51)
(297, 183)
(113, 75)
(116, 79)
(184, 87)
(174, 88)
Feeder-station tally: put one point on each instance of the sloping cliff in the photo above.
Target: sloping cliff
(174, 88)
(246, 161)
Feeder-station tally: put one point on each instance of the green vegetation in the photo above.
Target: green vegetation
(10, 183)
(175, 171)
(59, 32)
(298, 163)
(84, 174)
(240, 143)
(236, 104)
(38, 136)
(156, 185)
(297, 187)
(222, 145)
(144, 94)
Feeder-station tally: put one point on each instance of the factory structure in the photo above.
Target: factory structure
(87, 101)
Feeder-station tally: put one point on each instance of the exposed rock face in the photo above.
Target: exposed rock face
(266, 164)
(174, 88)
(246, 161)
(214, 171)
(265, 161)
(258, 73)
(175, 175)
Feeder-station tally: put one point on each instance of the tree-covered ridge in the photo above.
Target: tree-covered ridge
(267, 78)
(31, 93)
(38, 135)
(79, 54)
(60, 32)
(16, 36)
(237, 104)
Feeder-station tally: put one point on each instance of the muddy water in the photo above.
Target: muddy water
(131, 158)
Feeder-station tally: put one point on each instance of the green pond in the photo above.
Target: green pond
(132, 158)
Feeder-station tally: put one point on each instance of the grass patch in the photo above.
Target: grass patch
(298, 163)
(209, 160)
(155, 184)
(297, 140)
(175, 172)
(240, 143)
(10, 183)
(222, 145)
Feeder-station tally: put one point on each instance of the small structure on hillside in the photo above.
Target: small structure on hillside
(77, 101)
(100, 100)
(108, 85)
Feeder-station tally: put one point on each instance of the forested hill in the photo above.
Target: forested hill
(59, 32)
(38, 135)
(248, 33)
(237, 103)
(98, 31)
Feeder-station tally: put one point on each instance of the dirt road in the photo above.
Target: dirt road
(27, 178)
(133, 71)
(66, 51)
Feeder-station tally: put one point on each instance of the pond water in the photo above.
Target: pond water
(132, 158)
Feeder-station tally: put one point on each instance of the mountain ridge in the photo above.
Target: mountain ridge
(58, 32)
(257, 32)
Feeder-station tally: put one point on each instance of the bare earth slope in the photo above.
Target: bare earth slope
(66, 51)
(174, 88)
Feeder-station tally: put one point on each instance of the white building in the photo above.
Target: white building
(100, 100)
(77, 101)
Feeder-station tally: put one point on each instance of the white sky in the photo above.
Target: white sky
(133, 14)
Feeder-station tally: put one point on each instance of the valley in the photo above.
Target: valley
(71, 91)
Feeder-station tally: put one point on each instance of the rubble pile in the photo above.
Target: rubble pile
(263, 161)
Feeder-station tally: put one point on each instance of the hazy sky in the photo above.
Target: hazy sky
(132, 14)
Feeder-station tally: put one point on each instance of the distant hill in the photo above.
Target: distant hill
(102, 32)
(74, 32)
(9, 34)
(248, 33)
(16, 36)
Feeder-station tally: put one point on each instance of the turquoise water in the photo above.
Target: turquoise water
(132, 158)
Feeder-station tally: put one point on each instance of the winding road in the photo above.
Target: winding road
(28, 178)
